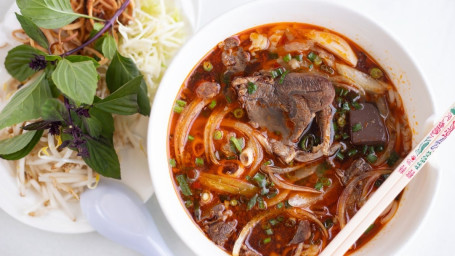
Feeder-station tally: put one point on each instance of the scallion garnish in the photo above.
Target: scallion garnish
(183, 185)
(199, 161)
(261, 203)
(190, 138)
(207, 65)
(172, 162)
(236, 143)
(267, 240)
(283, 76)
(238, 113)
(178, 109)
(252, 202)
(311, 56)
(218, 135)
(287, 57)
(212, 104)
(252, 87)
(372, 158)
(393, 158)
(280, 205)
(273, 222)
(376, 73)
(181, 103)
(269, 231)
(357, 127)
(352, 152)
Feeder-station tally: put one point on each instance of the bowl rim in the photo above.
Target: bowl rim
(164, 199)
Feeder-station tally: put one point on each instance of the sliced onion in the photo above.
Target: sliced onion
(252, 142)
(346, 83)
(227, 184)
(298, 46)
(249, 227)
(334, 44)
(361, 79)
(212, 123)
(183, 126)
(278, 198)
(306, 157)
(247, 156)
(342, 201)
(281, 183)
(381, 103)
(388, 150)
(280, 170)
(388, 214)
(237, 174)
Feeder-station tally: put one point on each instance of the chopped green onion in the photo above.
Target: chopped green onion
(269, 231)
(287, 57)
(269, 162)
(280, 218)
(260, 179)
(356, 105)
(393, 158)
(261, 203)
(183, 184)
(327, 69)
(318, 186)
(364, 149)
(299, 57)
(369, 229)
(248, 177)
(197, 211)
(181, 103)
(234, 202)
(188, 203)
(283, 76)
(273, 55)
(191, 138)
(199, 161)
(357, 127)
(328, 223)
(252, 87)
(228, 99)
(376, 73)
(273, 222)
(207, 65)
(317, 61)
(372, 158)
(340, 92)
(340, 156)
(371, 149)
(345, 136)
(341, 121)
(307, 142)
(212, 104)
(272, 194)
(345, 106)
(352, 152)
(310, 67)
(311, 56)
(172, 162)
(267, 240)
(238, 113)
(178, 109)
(236, 143)
(218, 135)
(277, 72)
(280, 205)
(252, 202)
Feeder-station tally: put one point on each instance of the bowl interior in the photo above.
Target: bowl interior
(371, 37)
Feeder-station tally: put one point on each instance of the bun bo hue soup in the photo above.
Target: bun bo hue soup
(280, 134)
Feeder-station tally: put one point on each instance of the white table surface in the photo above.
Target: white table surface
(426, 29)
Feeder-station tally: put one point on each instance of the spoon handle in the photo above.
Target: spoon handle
(117, 213)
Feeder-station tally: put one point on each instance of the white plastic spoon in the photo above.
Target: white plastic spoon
(117, 213)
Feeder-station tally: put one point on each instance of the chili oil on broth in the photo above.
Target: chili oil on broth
(276, 229)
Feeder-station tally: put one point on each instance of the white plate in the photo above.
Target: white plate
(134, 165)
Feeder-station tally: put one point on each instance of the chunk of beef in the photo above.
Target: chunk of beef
(207, 90)
(358, 167)
(303, 232)
(233, 56)
(297, 98)
(220, 231)
(372, 130)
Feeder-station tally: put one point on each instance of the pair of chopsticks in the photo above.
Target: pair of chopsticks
(393, 185)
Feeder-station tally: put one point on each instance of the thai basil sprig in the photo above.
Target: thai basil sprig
(83, 120)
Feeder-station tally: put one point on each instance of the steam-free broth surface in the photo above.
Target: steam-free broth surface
(280, 134)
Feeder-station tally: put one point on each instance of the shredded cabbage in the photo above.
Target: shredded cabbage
(152, 38)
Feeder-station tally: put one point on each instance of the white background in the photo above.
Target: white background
(425, 28)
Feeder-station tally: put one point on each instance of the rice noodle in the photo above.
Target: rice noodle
(281, 183)
(388, 213)
(282, 195)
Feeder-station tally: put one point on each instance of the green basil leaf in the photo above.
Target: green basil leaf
(106, 44)
(102, 158)
(120, 71)
(38, 125)
(18, 59)
(54, 90)
(92, 126)
(52, 57)
(19, 146)
(106, 119)
(80, 58)
(26, 103)
(76, 80)
(53, 110)
(124, 100)
(33, 31)
(50, 14)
